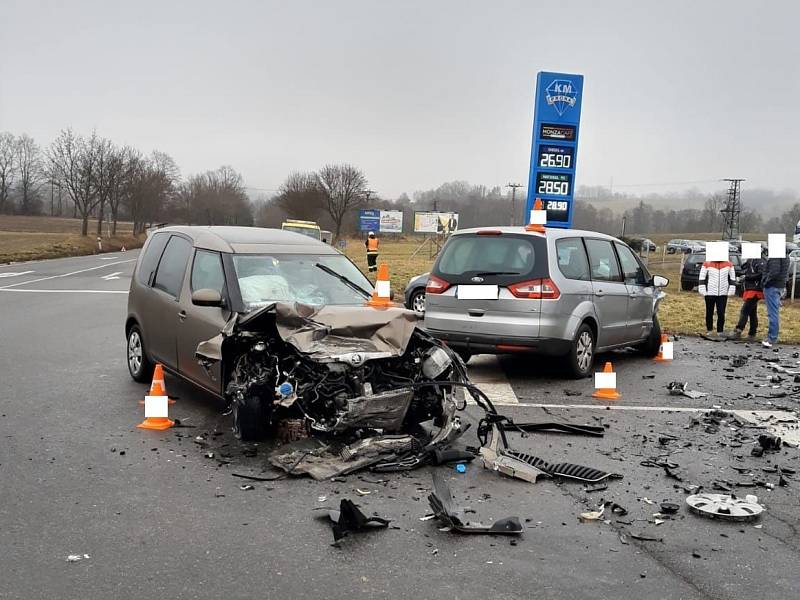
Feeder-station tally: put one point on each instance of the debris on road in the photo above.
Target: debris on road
(724, 506)
(769, 442)
(73, 558)
(441, 501)
(678, 388)
(349, 519)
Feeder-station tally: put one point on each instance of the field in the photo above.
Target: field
(681, 312)
(33, 238)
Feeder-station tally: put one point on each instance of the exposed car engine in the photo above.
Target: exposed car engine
(362, 379)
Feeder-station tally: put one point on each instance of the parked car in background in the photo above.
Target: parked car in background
(678, 246)
(794, 255)
(690, 275)
(415, 293)
(567, 292)
(649, 245)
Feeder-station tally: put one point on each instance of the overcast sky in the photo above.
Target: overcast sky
(414, 93)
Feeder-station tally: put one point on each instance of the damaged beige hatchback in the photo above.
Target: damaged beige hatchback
(276, 324)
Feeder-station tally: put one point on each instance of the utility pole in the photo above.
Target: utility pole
(368, 193)
(732, 210)
(514, 187)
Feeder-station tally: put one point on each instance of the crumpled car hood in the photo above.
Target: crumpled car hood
(324, 333)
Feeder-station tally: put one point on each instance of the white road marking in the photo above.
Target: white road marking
(66, 291)
(5, 287)
(778, 422)
(15, 274)
(111, 276)
(107, 257)
(486, 372)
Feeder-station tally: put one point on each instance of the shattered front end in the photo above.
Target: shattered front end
(363, 382)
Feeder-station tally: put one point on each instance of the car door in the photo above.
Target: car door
(201, 323)
(640, 295)
(163, 308)
(610, 292)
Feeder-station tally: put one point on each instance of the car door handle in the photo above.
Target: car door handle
(474, 312)
(182, 315)
(633, 295)
(599, 293)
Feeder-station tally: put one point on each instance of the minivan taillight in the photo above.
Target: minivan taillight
(436, 285)
(535, 289)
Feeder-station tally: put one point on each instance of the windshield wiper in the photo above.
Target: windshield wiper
(485, 273)
(344, 280)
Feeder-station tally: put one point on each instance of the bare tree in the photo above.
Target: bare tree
(104, 178)
(711, 212)
(73, 161)
(8, 166)
(301, 196)
(30, 174)
(344, 188)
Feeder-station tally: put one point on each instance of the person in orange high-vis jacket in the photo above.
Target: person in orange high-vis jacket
(372, 252)
(717, 282)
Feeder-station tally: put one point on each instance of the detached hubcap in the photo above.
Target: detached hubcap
(583, 352)
(134, 352)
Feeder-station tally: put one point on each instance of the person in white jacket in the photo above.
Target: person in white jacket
(717, 282)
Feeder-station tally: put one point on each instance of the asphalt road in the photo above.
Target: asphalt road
(159, 519)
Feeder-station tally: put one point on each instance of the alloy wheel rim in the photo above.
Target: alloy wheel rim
(584, 351)
(419, 303)
(134, 352)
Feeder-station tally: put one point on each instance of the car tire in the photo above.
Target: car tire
(139, 365)
(686, 287)
(250, 419)
(652, 344)
(580, 359)
(417, 301)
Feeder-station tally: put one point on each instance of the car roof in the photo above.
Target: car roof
(249, 240)
(551, 232)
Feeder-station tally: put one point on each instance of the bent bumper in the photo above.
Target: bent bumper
(489, 344)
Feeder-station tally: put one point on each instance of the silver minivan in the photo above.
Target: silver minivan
(565, 292)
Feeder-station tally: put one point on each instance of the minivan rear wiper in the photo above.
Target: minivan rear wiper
(344, 280)
(486, 273)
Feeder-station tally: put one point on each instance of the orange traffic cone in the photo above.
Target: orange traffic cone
(538, 217)
(382, 293)
(605, 384)
(156, 404)
(665, 349)
(157, 387)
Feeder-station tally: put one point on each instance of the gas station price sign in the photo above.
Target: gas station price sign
(554, 147)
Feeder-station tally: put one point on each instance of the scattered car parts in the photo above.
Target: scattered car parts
(725, 506)
(349, 519)
(441, 501)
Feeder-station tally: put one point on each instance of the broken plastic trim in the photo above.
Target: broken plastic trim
(349, 519)
(441, 501)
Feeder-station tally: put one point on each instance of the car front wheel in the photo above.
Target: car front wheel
(652, 344)
(417, 301)
(581, 355)
(139, 366)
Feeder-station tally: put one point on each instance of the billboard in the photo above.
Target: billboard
(435, 222)
(554, 148)
(391, 221)
(383, 221)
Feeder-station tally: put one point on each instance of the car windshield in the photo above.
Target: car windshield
(266, 278)
(307, 231)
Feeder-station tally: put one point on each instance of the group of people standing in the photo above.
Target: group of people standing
(763, 278)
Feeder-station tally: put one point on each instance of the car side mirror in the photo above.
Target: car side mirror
(659, 281)
(207, 297)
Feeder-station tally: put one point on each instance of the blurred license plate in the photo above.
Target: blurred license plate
(477, 292)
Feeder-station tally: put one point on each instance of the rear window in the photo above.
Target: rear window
(495, 258)
(147, 265)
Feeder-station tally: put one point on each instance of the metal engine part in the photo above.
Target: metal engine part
(385, 411)
(436, 362)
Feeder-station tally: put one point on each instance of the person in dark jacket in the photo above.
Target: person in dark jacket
(774, 282)
(753, 292)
